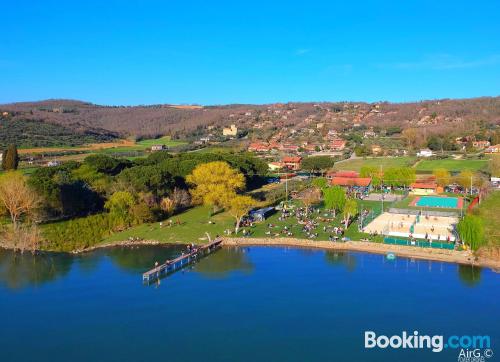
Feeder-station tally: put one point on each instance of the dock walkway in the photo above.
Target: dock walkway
(181, 261)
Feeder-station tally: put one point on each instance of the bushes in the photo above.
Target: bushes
(80, 233)
(471, 231)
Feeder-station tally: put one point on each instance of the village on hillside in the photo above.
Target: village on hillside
(343, 172)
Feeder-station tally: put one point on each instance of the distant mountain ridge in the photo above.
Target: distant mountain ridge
(152, 120)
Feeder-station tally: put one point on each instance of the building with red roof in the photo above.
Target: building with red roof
(258, 147)
(292, 162)
(337, 145)
(351, 181)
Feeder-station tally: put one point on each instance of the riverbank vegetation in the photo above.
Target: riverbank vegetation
(80, 203)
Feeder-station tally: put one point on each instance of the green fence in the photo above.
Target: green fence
(422, 244)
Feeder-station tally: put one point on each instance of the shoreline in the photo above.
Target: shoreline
(444, 255)
(449, 256)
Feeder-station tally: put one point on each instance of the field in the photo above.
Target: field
(452, 165)
(385, 162)
(107, 147)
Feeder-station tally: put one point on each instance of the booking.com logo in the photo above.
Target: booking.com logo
(471, 346)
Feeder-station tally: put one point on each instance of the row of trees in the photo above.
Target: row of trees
(104, 194)
(393, 176)
(465, 178)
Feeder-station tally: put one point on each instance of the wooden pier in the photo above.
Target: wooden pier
(171, 266)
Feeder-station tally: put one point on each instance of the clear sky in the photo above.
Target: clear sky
(218, 52)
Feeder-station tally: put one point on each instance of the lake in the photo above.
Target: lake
(239, 304)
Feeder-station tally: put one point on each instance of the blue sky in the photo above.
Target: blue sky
(217, 52)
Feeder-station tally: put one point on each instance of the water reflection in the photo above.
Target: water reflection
(138, 259)
(340, 258)
(25, 270)
(22, 270)
(469, 275)
(224, 261)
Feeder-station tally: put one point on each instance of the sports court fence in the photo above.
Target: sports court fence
(394, 210)
(422, 244)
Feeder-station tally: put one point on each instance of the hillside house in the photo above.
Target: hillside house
(258, 147)
(332, 134)
(369, 134)
(53, 163)
(230, 131)
(292, 162)
(493, 149)
(289, 148)
(376, 149)
(338, 145)
(480, 144)
(275, 166)
(156, 148)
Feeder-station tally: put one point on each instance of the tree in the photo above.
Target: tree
(181, 198)
(215, 183)
(16, 197)
(443, 176)
(374, 172)
(494, 166)
(350, 210)
(310, 197)
(465, 179)
(410, 136)
(320, 182)
(10, 159)
(239, 206)
(471, 231)
(120, 203)
(334, 199)
(167, 205)
(152, 179)
(106, 164)
(317, 163)
(435, 143)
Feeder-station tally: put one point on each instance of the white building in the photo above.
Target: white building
(155, 148)
(425, 153)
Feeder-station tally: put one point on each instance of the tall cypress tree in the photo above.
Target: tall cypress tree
(10, 159)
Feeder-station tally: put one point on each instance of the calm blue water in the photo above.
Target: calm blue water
(436, 201)
(255, 304)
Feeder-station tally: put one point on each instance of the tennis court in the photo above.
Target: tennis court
(439, 202)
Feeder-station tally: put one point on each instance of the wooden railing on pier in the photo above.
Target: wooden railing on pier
(181, 261)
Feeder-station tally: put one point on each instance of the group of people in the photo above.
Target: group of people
(170, 223)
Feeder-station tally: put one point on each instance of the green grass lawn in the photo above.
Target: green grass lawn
(166, 140)
(488, 211)
(260, 229)
(452, 165)
(385, 162)
(144, 145)
(194, 224)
